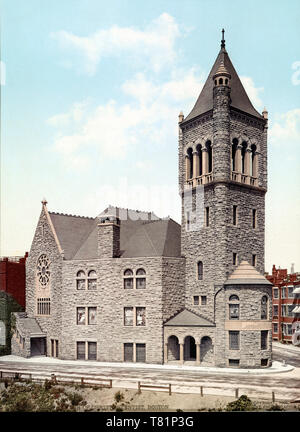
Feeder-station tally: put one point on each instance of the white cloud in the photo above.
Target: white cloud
(75, 114)
(252, 91)
(154, 46)
(286, 128)
(150, 115)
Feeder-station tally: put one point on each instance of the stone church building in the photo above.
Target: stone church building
(127, 286)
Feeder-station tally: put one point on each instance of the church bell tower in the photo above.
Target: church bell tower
(222, 183)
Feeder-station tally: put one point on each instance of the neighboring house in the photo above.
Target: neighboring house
(12, 296)
(286, 305)
(127, 286)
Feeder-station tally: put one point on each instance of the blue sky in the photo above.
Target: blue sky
(91, 93)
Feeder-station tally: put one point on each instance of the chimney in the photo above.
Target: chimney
(293, 268)
(108, 236)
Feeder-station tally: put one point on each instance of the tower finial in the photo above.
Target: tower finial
(223, 40)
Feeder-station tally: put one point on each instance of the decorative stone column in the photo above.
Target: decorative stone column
(196, 169)
(247, 164)
(204, 162)
(166, 353)
(181, 357)
(198, 353)
(238, 161)
(187, 168)
(255, 165)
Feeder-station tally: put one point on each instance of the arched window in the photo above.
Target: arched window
(200, 270)
(264, 307)
(140, 279)
(244, 149)
(199, 151)
(128, 279)
(252, 165)
(233, 154)
(92, 280)
(80, 280)
(234, 307)
(209, 156)
(226, 81)
(221, 81)
(190, 165)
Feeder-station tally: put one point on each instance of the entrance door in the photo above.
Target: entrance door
(189, 348)
(37, 346)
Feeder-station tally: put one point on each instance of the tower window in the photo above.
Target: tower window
(234, 215)
(254, 218)
(234, 340)
(199, 155)
(209, 156)
(233, 154)
(264, 339)
(234, 258)
(253, 156)
(226, 81)
(264, 307)
(254, 260)
(203, 300)
(200, 270)
(234, 307)
(207, 216)
(221, 81)
(215, 82)
(190, 164)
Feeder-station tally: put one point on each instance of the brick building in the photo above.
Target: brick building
(286, 305)
(129, 286)
(12, 295)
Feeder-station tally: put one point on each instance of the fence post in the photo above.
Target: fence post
(273, 396)
(201, 390)
(237, 393)
(82, 381)
(139, 387)
(170, 391)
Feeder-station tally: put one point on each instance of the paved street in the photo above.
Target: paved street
(290, 354)
(286, 385)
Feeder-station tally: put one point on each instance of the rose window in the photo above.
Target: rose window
(43, 272)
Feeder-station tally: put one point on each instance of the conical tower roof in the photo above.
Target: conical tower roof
(239, 97)
(246, 274)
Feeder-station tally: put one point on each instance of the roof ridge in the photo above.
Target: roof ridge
(70, 215)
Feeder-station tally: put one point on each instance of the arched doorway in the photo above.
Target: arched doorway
(189, 348)
(206, 350)
(173, 348)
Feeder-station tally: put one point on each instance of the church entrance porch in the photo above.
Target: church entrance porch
(38, 346)
(189, 338)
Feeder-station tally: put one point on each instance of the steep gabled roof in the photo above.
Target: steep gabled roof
(239, 97)
(187, 318)
(139, 237)
(246, 274)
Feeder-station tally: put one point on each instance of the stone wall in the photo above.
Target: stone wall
(249, 324)
(44, 243)
(110, 298)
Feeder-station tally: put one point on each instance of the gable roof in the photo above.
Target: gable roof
(187, 318)
(140, 235)
(239, 97)
(245, 274)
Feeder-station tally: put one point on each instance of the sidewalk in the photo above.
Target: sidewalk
(277, 367)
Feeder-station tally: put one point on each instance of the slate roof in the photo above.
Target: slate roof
(29, 326)
(239, 97)
(141, 235)
(246, 274)
(187, 318)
